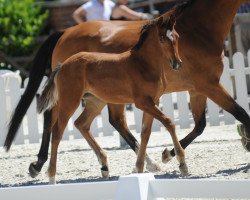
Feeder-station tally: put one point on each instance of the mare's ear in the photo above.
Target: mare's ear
(171, 22)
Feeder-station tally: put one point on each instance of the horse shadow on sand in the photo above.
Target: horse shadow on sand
(245, 168)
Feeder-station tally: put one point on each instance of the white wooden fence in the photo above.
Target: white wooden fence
(134, 187)
(233, 78)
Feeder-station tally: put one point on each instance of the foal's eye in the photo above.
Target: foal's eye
(169, 35)
(161, 38)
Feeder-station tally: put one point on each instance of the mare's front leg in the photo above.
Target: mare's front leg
(198, 106)
(147, 105)
(118, 120)
(218, 94)
(36, 167)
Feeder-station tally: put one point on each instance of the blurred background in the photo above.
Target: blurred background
(25, 24)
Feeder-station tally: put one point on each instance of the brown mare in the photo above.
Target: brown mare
(138, 76)
(203, 27)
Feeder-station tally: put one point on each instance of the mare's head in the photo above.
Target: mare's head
(161, 38)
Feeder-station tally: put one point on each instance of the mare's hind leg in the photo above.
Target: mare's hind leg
(93, 108)
(118, 121)
(147, 105)
(219, 95)
(198, 106)
(35, 167)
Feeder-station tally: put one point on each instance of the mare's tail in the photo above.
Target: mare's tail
(49, 95)
(41, 62)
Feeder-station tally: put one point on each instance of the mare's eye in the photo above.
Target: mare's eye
(169, 35)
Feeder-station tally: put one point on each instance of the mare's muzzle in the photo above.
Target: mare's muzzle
(176, 64)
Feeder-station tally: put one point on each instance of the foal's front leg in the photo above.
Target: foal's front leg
(147, 105)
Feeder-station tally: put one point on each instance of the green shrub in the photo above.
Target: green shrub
(20, 24)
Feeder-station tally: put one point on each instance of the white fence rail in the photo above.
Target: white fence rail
(135, 187)
(234, 79)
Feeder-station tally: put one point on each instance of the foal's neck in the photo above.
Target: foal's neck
(210, 18)
(149, 53)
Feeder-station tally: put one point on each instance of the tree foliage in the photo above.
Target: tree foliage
(21, 21)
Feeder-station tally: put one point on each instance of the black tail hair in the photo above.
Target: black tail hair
(41, 62)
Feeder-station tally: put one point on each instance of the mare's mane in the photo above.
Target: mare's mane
(174, 12)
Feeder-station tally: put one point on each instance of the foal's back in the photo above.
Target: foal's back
(101, 74)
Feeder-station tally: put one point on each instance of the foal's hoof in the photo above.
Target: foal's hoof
(153, 167)
(105, 172)
(244, 138)
(52, 180)
(32, 170)
(166, 156)
(183, 169)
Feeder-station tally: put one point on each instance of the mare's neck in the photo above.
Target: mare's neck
(209, 19)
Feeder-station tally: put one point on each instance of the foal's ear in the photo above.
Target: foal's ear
(159, 21)
(171, 22)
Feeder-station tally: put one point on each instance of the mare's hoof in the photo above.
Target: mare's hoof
(105, 172)
(32, 170)
(183, 169)
(166, 156)
(244, 138)
(153, 167)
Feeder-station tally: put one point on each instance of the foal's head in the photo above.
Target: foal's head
(168, 38)
(163, 35)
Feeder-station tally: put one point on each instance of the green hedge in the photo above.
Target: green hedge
(20, 24)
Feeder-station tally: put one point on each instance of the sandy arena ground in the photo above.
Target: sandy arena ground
(217, 154)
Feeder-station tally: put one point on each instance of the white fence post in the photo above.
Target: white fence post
(3, 113)
(226, 81)
(240, 80)
(183, 110)
(106, 126)
(168, 107)
(32, 120)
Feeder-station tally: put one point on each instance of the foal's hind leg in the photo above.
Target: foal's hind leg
(93, 108)
(148, 106)
(60, 117)
(35, 167)
(118, 121)
(198, 106)
(219, 95)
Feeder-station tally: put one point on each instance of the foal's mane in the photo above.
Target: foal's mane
(144, 33)
(174, 12)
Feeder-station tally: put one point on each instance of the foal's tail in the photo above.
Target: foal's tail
(49, 95)
(41, 62)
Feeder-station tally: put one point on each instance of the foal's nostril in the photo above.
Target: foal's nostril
(175, 64)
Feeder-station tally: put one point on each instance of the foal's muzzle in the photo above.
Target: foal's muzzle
(175, 64)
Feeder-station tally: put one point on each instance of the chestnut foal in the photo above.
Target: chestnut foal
(135, 76)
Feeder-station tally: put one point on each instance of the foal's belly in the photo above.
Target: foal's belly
(111, 90)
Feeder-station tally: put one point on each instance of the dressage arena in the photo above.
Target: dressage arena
(217, 154)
